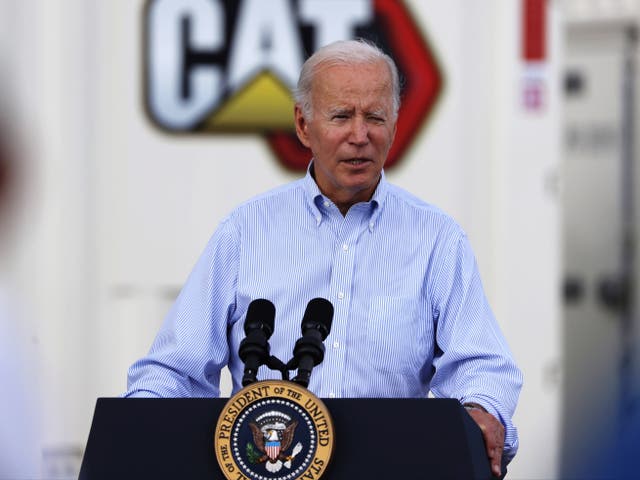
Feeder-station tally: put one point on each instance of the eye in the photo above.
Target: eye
(376, 119)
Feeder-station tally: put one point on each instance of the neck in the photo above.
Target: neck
(344, 203)
(344, 207)
(344, 200)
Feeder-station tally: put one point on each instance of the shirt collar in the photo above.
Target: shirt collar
(315, 199)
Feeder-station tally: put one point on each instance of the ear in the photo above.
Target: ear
(393, 137)
(301, 126)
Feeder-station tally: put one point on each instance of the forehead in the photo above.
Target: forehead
(358, 84)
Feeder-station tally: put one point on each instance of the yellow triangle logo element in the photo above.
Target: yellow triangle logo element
(265, 103)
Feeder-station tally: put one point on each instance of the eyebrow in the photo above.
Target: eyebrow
(339, 110)
(378, 112)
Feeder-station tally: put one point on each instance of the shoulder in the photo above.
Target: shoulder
(271, 199)
(408, 208)
(266, 210)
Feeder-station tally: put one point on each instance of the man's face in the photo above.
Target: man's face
(350, 130)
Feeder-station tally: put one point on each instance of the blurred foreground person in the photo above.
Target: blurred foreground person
(410, 312)
(19, 426)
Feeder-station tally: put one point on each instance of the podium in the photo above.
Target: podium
(138, 438)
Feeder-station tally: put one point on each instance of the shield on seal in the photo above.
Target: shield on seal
(272, 447)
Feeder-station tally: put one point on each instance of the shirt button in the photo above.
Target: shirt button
(326, 203)
(345, 247)
(332, 395)
(340, 295)
(336, 344)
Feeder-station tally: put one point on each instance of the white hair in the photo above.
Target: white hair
(344, 52)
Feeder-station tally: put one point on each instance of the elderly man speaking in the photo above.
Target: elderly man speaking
(410, 315)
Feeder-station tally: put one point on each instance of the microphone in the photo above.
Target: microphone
(254, 349)
(309, 349)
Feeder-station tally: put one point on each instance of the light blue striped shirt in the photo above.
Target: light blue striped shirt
(410, 311)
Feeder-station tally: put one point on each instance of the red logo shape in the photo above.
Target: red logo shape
(421, 88)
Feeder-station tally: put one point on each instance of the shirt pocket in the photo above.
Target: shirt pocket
(394, 335)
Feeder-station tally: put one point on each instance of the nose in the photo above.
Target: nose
(359, 132)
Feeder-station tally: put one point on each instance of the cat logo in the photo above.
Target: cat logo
(222, 66)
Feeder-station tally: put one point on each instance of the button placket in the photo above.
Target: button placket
(341, 285)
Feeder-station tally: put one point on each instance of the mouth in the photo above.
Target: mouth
(357, 162)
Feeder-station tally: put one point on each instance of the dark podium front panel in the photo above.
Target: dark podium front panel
(374, 439)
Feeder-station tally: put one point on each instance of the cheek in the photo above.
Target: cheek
(320, 135)
(331, 134)
(329, 140)
(382, 141)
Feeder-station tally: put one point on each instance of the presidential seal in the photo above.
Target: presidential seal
(274, 430)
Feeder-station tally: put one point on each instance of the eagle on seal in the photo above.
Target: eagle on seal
(272, 444)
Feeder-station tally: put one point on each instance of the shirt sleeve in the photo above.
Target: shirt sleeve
(191, 347)
(473, 362)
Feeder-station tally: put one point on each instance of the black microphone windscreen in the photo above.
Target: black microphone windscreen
(260, 315)
(318, 315)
